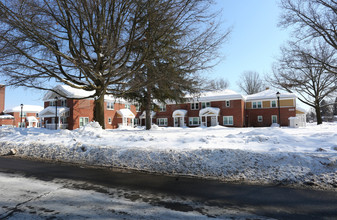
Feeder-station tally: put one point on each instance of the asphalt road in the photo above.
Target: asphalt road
(269, 201)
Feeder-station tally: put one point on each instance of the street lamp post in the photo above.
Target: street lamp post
(278, 105)
(21, 114)
(56, 113)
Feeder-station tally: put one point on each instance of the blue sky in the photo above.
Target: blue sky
(253, 45)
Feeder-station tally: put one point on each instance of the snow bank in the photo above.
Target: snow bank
(303, 156)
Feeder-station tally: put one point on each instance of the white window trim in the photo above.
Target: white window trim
(272, 119)
(165, 122)
(162, 108)
(258, 118)
(257, 106)
(193, 105)
(228, 103)
(108, 106)
(191, 119)
(109, 121)
(209, 103)
(127, 106)
(271, 103)
(228, 116)
(80, 121)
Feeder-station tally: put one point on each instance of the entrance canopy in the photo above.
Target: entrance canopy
(50, 112)
(179, 113)
(125, 113)
(32, 119)
(209, 111)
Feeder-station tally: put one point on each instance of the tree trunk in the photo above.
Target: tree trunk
(99, 110)
(318, 113)
(148, 119)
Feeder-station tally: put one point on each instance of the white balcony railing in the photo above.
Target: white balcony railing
(60, 126)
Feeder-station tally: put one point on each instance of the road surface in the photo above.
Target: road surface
(159, 196)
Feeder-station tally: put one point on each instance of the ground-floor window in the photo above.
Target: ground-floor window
(259, 118)
(274, 118)
(109, 120)
(228, 120)
(136, 121)
(84, 121)
(193, 121)
(64, 120)
(162, 121)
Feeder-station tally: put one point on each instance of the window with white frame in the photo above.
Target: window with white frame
(273, 104)
(52, 103)
(64, 102)
(205, 104)
(127, 106)
(110, 106)
(228, 103)
(109, 120)
(259, 118)
(64, 120)
(274, 118)
(162, 121)
(136, 121)
(137, 107)
(257, 104)
(228, 120)
(162, 108)
(24, 114)
(195, 106)
(84, 121)
(194, 121)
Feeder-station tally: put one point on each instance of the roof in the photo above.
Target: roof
(68, 92)
(209, 111)
(218, 95)
(6, 116)
(50, 111)
(26, 108)
(269, 94)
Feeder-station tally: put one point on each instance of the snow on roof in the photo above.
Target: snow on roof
(269, 94)
(209, 111)
(51, 110)
(216, 95)
(26, 108)
(179, 113)
(301, 109)
(125, 113)
(68, 91)
(6, 116)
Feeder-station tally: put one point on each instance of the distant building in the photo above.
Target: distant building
(29, 117)
(224, 107)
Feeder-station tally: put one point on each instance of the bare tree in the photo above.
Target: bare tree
(312, 19)
(250, 82)
(89, 44)
(215, 84)
(298, 72)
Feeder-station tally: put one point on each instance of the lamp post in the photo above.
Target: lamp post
(56, 113)
(278, 105)
(21, 115)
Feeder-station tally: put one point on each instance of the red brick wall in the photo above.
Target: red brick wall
(2, 98)
(266, 113)
(7, 122)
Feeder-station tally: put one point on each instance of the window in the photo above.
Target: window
(136, 121)
(274, 118)
(162, 108)
(193, 121)
(228, 120)
(37, 115)
(257, 104)
(127, 106)
(64, 102)
(110, 105)
(84, 121)
(24, 114)
(162, 121)
(137, 107)
(52, 103)
(228, 103)
(109, 120)
(195, 106)
(205, 104)
(259, 118)
(273, 103)
(64, 120)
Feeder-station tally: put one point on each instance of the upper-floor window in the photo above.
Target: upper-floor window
(273, 104)
(228, 103)
(162, 108)
(24, 114)
(110, 105)
(64, 102)
(52, 103)
(205, 104)
(195, 106)
(127, 106)
(257, 104)
(137, 107)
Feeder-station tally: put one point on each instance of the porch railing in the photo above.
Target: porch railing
(60, 126)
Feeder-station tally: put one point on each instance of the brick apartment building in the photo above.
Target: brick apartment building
(225, 107)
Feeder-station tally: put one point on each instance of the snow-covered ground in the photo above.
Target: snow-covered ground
(304, 156)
